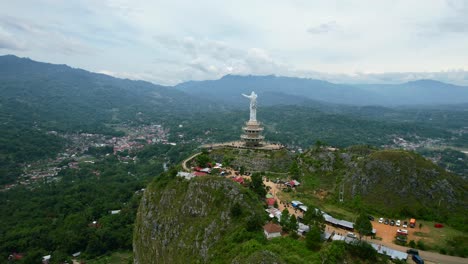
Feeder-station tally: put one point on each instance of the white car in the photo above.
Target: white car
(405, 224)
(402, 232)
(381, 220)
(398, 223)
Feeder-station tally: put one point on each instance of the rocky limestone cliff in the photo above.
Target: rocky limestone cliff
(185, 221)
(394, 181)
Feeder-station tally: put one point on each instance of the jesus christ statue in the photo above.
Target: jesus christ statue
(253, 105)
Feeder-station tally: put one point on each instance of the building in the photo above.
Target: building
(272, 230)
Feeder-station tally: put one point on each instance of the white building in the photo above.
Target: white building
(272, 230)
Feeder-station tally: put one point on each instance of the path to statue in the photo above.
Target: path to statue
(184, 163)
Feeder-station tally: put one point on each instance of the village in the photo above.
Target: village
(78, 150)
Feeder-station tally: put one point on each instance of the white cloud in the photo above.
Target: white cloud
(173, 41)
(323, 28)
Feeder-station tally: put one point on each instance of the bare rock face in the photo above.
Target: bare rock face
(182, 221)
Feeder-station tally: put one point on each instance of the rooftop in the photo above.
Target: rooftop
(272, 228)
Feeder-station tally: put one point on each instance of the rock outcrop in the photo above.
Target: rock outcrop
(185, 221)
(394, 181)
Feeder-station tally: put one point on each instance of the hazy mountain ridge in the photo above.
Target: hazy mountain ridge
(422, 92)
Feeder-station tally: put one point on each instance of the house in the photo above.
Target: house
(296, 203)
(303, 208)
(302, 229)
(270, 202)
(272, 230)
(207, 170)
(185, 175)
(274, 212)
(239, 180)
(337, 222)
(46, 259)
(15, 256)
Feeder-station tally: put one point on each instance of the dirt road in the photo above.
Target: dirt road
(184, 163)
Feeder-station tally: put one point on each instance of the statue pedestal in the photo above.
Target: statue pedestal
(252, 134)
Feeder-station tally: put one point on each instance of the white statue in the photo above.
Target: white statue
(253, 106)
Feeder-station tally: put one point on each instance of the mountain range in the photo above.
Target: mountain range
(290, 90)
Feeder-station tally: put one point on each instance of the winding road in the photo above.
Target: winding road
(184, 163)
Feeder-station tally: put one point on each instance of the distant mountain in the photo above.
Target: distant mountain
(69, 98)
(308, 91)
(422, 92)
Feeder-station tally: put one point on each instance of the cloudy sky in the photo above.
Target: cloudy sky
(168, 42)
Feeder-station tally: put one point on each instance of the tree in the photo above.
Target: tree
(363, 225)
(333, 252)
(242, 170)
(257, 185)
(285, 220)
(236, 210)
(293, 225)
(314, 217)
(313, 238)
(294, 171)
(202, 160)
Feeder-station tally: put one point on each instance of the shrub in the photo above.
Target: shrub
(236, 210)
(420, 244)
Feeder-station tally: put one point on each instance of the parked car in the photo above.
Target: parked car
(392, 222)
(381, 220)
(417, 259)
(370, 217)
(386, 221)
(412, 251)
(405, 224)
(352, 235)
(398, 223)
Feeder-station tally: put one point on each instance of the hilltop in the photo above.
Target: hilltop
(391, 182)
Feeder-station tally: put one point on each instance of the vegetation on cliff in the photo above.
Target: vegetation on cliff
(183, 221)
(392, 182)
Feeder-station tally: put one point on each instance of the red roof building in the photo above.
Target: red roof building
(272, 230)
(239, 180)
(270, 201)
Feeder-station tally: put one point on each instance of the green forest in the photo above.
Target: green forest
(57, 217)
